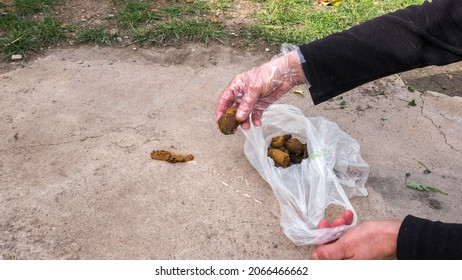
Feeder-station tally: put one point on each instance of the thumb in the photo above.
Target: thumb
(329, 252)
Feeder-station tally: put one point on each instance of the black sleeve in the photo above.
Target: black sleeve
(414, 37)
(420, 239)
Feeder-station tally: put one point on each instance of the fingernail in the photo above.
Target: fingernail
(239, 115)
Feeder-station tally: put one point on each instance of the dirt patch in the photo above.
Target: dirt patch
(446, 79)
(85, 12)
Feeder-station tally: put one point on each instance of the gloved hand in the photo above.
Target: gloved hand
(257, 88)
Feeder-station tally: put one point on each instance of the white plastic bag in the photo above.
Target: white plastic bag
(333, 172)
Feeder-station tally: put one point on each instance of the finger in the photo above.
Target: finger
(246, 106)
(323, 224)
(340, 221)
(256, 117)
(348, 216)
(246, 123)
(228, 97)
(225, 102)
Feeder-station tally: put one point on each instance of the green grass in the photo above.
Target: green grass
(176, 31)
(196, 8)
(29, 25)
(301, 21)
(21, 33)
(30, 7)
(136, 13)
(173, 23)
(222, 5)
(97, 36)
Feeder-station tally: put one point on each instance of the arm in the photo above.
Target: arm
(411, 239)
(418, 36)
(414, 37)
(424, 239)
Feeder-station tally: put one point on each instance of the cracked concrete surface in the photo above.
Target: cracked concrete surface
(77, 182)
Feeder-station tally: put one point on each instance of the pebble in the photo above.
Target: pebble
(15, 57)
(267, 50)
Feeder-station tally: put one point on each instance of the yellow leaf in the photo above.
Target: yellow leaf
(334, 3)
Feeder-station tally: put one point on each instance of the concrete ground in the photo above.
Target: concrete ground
(77, 181)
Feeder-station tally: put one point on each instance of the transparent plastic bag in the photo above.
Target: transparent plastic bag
(333, 172)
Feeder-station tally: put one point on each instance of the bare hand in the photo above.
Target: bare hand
(373, 240)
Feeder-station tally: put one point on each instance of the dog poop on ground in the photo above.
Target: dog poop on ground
(170, 157)
(285, 151)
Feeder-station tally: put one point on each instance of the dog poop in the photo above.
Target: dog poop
(285, 151)
(280, 141)
(280, 158)
(295, 146)
(170, 157)
(227, 122)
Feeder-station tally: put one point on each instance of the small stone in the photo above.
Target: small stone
(15, 57)
(80, 62)
(267, 50)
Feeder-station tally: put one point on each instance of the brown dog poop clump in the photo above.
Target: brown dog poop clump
(285, 151)
(170, 157)
(227, 122)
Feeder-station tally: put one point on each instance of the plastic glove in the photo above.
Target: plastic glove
(257, 88)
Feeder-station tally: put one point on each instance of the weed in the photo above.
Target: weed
(21, 32)
(96, 35)
(135, 13)
(178, 9)
(30, 7)
(222, 5)
(17, 42)
(176, 31)
(48, 31)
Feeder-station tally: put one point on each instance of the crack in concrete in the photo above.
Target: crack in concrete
(186, 84)
(435, 125)
(60, 143)
(136, 128)
(71, 141)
